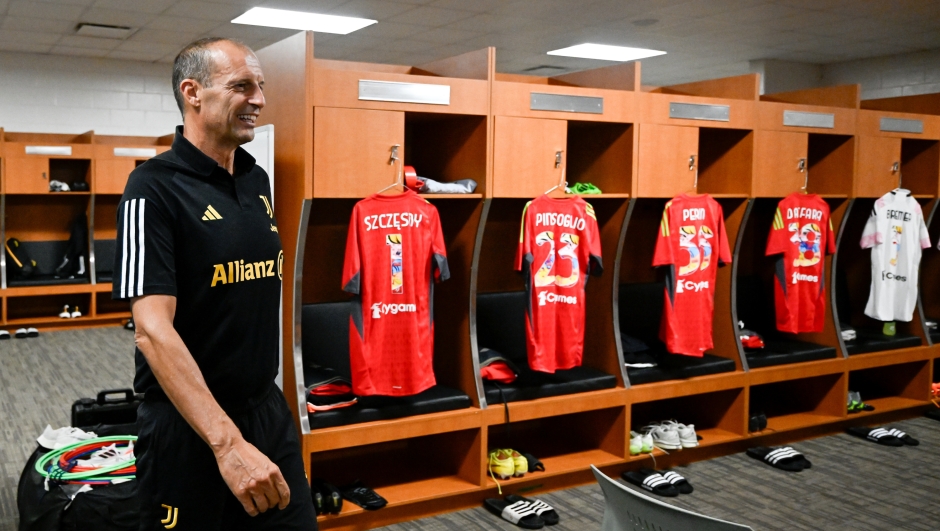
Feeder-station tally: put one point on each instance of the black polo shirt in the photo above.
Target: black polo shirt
(188, 228)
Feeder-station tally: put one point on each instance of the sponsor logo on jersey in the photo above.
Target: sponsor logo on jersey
(693, 214)
(888, 275)
(800, 277)
(242, 271)
(396, 220)
(546, 297)
(898, 214)
(379, 309)
(804, 213)
(559, 220)
(687, 285)
(211, 214)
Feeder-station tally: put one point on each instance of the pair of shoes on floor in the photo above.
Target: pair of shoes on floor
(363, 496)
(667, 483)
(327, 499)
(523, 512)
(20, 333)
(884, 436)
(784, 458)
(671, 435)
(66, 314)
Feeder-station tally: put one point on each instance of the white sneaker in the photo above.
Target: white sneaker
(687, 436)
(664, 437)
(640, 443)
(65, 314)
(77, 313)
(62, 437)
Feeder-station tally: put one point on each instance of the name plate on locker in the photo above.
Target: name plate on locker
(823, 120)
(138, 153)
(901, 125)
(564, 103)
(699, 111)
(49, 150)
(404, 92)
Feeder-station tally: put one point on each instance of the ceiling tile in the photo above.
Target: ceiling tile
(151, 55)
(28, 37)
(171, 23)
(205, 10)
(80, 52)
(384, 30)
(144, 46)
(477, 6)
(308, 6)
(25, 8)
(142, 6)
(24, 47)
(116, 17)
(38, 24)
(431, 16)
(445, 34)
(69, 2)
(373, 9)
(178, 38)
(93, 43)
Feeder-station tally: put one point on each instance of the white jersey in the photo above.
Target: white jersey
(895, 233)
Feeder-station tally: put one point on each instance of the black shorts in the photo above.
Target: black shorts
(180, 486)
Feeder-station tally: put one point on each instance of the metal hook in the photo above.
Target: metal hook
(394, 156)
(691, 162)
(562, 183)
(896, 168)
(558, 158)
(802, 165)
(392, 159)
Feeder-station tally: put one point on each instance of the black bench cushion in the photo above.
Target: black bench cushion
(781, 351)
(868, 341)
(501, 327)
(325, 343)
(641, 309)
(48, 255)
(104, 259)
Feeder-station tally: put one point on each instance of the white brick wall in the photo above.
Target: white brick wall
(54, 94)
(886, 77)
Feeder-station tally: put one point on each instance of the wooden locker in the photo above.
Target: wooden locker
(777, 156)
(352, 150)
(525, 153)
(27, 175)
(877, 157)
(664, 156)
(111, 174)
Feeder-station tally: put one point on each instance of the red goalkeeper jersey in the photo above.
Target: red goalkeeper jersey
(559, 246)
(801, 234)
(692, 229)
(394, 252)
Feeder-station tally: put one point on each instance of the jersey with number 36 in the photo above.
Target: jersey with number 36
(394, 252)
(559, 246)
(693, 243)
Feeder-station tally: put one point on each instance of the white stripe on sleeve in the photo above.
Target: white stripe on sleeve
(133, 247)
(140, 243)
(123, 291)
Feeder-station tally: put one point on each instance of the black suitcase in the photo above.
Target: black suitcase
(107, 408)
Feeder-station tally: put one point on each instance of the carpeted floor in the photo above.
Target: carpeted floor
(853, 485)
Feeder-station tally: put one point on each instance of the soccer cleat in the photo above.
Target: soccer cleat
(501, 464)
(65, 314)
(519, 463)
(76, 313)
(664, 437)
(636, 443)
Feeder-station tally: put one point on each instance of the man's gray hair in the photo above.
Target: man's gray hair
(195, 62)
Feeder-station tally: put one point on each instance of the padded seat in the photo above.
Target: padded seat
(325, 344)
(782, 351)
(868, 341)
(935, 336)
(501, 327)
(641, 309)
(48, 255)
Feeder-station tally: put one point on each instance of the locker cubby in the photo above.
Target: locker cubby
(641, 299)
(106, 307)
(600, 153)
(37, 310)
(501, 302)
(389, 467)
(930, 283)
(830, 164)
(447, 147)
(920, 166)
(754, 289)
(725, 161)
(853, 286)
(799, 403)
(564, 443)
(70, 171)
(42, 225)
(718, 416)
(892, 387)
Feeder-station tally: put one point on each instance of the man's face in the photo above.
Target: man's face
(231, 104)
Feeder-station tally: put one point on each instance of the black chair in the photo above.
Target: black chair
(755, 301)
(641, 309)
(501, 327)
(325, 336)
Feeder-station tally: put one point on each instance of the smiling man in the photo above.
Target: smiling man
(199, 257)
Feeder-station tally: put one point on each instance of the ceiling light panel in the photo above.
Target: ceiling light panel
(299, 20)
(606, 52)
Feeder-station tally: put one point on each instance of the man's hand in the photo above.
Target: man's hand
(254, 480)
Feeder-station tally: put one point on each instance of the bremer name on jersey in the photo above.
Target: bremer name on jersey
(559, 246)
(896, 233)
(394, 251)
(692, 229)
(801, 234)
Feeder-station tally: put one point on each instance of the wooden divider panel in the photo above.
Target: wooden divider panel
(665, 167)
(524, 156)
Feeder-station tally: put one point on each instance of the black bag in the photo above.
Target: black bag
(73, 263)
(19, 262)
(106, 409)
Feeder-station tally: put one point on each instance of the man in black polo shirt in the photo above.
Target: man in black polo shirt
(200, 259)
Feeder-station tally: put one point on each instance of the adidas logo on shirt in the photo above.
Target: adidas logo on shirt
(211, 214)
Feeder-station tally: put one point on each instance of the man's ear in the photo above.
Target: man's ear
(190, 90)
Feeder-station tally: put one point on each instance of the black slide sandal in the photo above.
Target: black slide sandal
(779, 458)
(520, 513)
(545, 511)
(678, 481)
(905, 438)
(875, 435)
(651, 481)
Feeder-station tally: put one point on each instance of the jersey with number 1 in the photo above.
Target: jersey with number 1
(394, 252)
(801, 234)
(692, 242)
(559, 245)
(896, 233)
